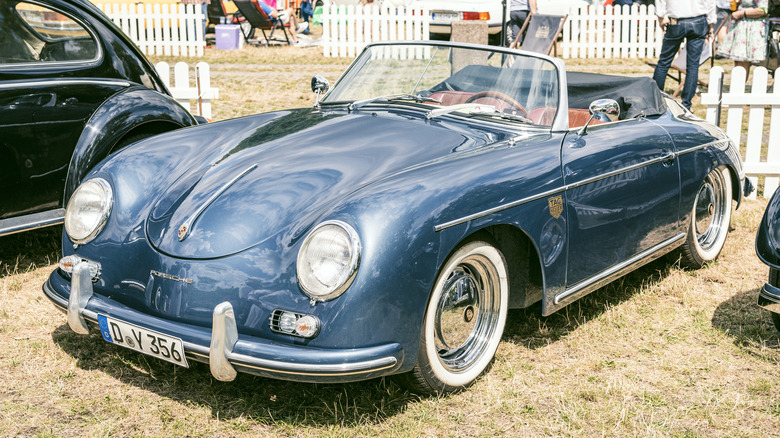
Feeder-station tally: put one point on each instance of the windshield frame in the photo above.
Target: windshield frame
(560, 122)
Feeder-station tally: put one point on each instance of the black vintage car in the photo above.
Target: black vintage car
(73, 89)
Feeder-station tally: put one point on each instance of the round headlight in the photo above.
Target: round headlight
(88, 210)
(328, 260)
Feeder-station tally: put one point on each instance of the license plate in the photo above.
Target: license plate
(142, 340)
(444, 16)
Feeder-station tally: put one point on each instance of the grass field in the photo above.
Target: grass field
(661, 352)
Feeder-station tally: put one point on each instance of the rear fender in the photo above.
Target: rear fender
(768, 236)
(135, 108)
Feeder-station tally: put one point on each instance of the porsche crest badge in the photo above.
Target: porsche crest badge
(182, 232)
(556, 206)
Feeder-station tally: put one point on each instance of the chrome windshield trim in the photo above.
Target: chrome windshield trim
(598, 279)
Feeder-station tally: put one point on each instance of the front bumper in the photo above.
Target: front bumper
(222, 347)
(769, 298)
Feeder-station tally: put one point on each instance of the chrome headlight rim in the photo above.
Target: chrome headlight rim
(356, 250)
(105, 214)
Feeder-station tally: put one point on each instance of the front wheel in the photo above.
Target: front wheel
(464, 321)
(710, 219)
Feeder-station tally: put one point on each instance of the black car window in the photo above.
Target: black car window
(32, 33)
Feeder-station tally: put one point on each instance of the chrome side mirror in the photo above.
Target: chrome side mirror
(604, 107)
(319, 85)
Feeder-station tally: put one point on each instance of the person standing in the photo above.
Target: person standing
(684, 20)
(518, 13)
(745, 40)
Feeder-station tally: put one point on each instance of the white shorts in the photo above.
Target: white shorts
(283, 17)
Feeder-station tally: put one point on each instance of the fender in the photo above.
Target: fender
(117, 116)
(768, 236)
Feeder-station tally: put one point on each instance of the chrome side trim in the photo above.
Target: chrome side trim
(606, 276)
(224, 335)
(769, 298)
(80, 293)
(32, 221)
(187, 225)
(671, 155)
(59, 82)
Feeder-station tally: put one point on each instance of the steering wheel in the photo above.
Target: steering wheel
(499, 96)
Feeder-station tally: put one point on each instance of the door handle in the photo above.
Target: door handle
(668, 158)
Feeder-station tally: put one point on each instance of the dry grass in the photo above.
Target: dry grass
(661, 352)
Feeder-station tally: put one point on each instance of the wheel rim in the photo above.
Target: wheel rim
(467, 313)
(710, 211)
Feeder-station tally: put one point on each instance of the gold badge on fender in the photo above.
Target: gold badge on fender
(556, 206)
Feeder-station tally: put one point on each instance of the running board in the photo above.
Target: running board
(609, 275)
(31, 221)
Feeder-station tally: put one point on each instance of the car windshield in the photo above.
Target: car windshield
(447, 79)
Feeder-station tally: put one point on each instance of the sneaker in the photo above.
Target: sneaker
(303, 26)
(306, 32)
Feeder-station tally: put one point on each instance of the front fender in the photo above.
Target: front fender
(116, 117)
(768, 236)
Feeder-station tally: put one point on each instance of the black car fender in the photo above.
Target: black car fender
(767, 244)
(134, 112)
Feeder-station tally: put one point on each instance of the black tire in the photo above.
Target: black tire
(464, 321)
(710, 217)
(130, 139)
(774, 280)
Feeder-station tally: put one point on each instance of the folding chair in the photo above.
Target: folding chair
(255, 15)
(217, 14)
(539, 33)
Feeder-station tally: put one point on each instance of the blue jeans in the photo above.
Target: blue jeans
(694, 31)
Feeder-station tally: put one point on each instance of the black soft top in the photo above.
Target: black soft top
(635, 95)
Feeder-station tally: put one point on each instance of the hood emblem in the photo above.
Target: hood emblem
(184, 229)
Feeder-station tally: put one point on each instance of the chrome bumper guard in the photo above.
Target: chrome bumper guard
(224, 336)
(769, 298)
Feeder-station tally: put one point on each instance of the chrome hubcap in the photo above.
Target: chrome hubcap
(467, 313)
(710, 210)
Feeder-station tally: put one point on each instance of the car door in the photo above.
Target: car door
(43, 112)
(623, 196)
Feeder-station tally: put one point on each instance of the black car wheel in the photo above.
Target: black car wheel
(464, 321)
(774, 280)
(710, 219)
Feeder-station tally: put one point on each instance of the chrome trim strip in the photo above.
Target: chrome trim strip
(188, 223)
(614, 271)
(671, 155)
(59, 82)
(304, 369)
(32, 221)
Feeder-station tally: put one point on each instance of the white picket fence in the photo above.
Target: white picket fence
(187, 91)
(160, 29)
(758, 101)
(612, 32)
(347, 29)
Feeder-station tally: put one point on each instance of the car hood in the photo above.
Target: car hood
(284, 175)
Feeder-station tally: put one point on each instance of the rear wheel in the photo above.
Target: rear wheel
(710, 219)
(464, 321)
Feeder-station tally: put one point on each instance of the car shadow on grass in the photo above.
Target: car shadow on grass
(29, 250)
(257, 399)
(748, 325)
(527, 327)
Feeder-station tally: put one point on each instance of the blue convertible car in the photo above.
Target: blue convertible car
(387, 230)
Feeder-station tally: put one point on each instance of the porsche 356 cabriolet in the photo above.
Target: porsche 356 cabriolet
(388, 229)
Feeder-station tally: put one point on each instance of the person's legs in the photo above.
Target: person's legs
(516, 20)
(673, 37)
(696, 32)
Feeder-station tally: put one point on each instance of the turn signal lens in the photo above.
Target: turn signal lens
(482, 16)
(295, 324)
(68, 264)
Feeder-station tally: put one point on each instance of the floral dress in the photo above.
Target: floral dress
(746, 37)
